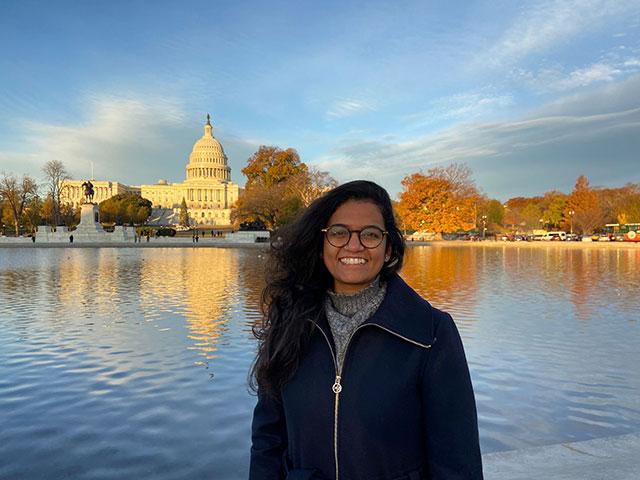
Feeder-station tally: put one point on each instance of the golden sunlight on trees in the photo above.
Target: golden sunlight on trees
(184, 214)
(444, 200)
(16, 195)
(56, 176)
(278, 186)
(125, 209)
(583, 201)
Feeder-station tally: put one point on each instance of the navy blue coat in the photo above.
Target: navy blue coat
(402, 408)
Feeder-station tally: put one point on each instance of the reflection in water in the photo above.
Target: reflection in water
(205, 281)
(446, 277)
(98, 346)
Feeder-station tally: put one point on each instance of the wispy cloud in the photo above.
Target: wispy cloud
(547, 24)
(463, 106)
(120, 134)
(557, 79)
(350, 106)
(507, 146)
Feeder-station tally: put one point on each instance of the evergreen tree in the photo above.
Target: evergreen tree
(184, 213)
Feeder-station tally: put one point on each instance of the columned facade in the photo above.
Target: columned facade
(207, 189)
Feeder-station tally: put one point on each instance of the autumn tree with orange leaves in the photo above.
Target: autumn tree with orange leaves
(441, 201)
(583, 201)
(278, 186)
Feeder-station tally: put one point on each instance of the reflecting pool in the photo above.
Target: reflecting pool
(126, 363)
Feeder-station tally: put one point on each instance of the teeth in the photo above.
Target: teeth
(353, 261)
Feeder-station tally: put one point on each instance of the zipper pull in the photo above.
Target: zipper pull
(337, 388)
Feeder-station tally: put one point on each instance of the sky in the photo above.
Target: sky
(529, 95)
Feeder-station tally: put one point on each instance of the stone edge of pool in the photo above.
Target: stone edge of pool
(215, 243)
(616, 457)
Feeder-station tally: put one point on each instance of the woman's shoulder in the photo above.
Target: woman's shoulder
(408, 312)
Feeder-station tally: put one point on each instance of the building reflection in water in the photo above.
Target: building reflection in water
(199, 284)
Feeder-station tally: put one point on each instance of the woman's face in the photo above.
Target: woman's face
(353, 267)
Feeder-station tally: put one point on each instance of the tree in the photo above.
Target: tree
(48, 211)
(56, 176)
(495, 213)
(274, 206)
(553, 214)
(17, 195)
(33, 214)
(271, 165)
(278, 186)
(531, 215)
(583, 201)
(443, 200)
(125, 208)
(310, 184)
(69, 215)
(184, 213)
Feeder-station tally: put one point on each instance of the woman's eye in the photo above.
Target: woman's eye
(371, 235)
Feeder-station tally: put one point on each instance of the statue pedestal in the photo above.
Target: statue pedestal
(89, 220)
(88, 230)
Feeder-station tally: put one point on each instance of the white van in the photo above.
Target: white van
(554, 236)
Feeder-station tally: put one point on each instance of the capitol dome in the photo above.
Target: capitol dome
(208, 160)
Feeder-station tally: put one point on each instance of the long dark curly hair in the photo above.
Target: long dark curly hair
(297, 281)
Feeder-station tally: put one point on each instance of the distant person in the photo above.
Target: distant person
(71, 238)
(357, 376)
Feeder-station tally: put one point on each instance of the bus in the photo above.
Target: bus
(630, 231)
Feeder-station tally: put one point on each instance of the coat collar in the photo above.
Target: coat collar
(405, 313)
(402, 313)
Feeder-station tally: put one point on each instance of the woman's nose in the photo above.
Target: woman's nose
(354, 243)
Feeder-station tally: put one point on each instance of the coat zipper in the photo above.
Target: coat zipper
(336, 388)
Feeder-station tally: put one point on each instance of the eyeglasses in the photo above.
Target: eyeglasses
(339, 236)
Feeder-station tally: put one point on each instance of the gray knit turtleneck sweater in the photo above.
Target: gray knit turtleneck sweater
(346, 312)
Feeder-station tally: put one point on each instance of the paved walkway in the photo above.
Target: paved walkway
(609, 458)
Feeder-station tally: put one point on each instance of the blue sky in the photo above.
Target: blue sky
(528, 94)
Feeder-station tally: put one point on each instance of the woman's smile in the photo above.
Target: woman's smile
(353, 266)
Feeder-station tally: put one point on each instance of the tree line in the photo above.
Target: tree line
(446, 200)
(279, 185)
(25, 204)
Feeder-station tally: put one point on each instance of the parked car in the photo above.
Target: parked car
(421, 236)
(554, 236)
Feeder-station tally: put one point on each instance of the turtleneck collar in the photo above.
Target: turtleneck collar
(348, 304)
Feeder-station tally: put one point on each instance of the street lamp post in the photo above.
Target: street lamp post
(484, 226)
(571, 214)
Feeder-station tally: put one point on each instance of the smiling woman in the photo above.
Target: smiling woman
(357, 376)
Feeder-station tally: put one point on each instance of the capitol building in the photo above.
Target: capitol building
(207, 190)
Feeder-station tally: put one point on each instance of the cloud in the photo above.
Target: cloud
(134, 140)
(348, 107)
(545, 25)
(556, 79)
(463, 106)
(546, 149)
(595, 73)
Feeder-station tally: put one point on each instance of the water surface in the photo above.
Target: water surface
(125, 363)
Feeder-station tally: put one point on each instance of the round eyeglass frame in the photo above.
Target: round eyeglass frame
(351, 232)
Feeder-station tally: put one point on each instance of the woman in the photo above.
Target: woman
(357, 376)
